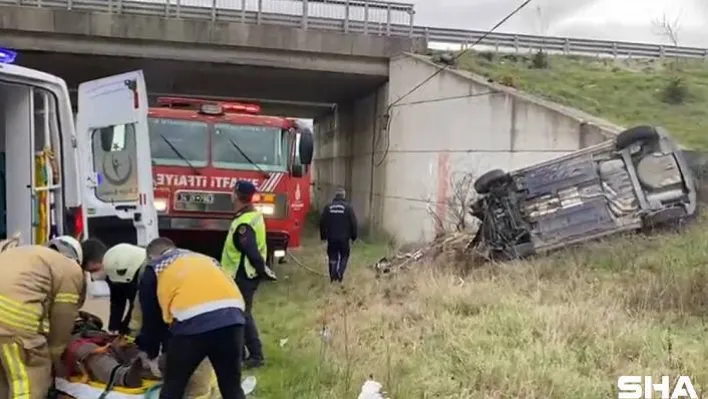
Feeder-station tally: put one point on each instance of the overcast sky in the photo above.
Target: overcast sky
(630, 20)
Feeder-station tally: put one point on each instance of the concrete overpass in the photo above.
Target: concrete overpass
(202, 57)
(398, 157)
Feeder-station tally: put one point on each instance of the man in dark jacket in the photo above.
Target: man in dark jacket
(338, 225)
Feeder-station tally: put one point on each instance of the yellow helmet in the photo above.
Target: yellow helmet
(67, 246)
(122, 261)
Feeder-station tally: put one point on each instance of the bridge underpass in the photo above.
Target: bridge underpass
(397, 157)
(280, 91)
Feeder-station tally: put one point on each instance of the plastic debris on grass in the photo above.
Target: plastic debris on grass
(248, 385)
(372, 390)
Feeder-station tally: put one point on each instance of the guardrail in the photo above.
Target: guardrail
(520, 42)
(374, 17)
(356, 16)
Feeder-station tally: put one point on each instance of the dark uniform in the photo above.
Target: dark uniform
(338, 225)
(244, 257)
(122, 296)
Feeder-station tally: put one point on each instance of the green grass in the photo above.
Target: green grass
(626, 92)
(296, 309)
(563, 326)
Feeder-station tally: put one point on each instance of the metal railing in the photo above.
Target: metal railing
(374, 17)
(565, 45)
(355, 16)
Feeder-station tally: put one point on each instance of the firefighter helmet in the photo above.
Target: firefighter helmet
(67, 246)
(11, 242)
(122, 261)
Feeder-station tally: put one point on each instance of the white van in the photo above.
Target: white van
(43, 181)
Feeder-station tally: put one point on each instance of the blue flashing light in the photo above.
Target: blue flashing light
(7, 56)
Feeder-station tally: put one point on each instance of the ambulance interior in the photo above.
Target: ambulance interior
(30, 178)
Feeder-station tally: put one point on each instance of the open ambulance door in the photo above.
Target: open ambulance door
(114, 147)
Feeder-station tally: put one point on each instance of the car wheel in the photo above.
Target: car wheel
(635, 135)
(489, 179)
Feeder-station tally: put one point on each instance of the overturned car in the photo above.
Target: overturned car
(638, 180)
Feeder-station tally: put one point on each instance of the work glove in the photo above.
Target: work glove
(150, 364)
(270, 274)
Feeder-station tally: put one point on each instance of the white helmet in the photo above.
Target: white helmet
(122, 261)
(68, 246)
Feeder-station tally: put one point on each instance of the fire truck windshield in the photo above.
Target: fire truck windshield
(177, 142)
(265, 146)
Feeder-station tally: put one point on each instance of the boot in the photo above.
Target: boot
(251, 363)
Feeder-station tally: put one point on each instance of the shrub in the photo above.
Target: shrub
(676, 91)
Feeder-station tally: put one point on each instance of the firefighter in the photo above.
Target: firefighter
(123, 264)
(188, 296)
(338, 225)
(243, 257)
(41, 291)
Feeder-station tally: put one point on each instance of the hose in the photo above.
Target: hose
(299, 263)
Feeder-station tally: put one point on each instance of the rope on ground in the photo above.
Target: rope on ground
(299, 263)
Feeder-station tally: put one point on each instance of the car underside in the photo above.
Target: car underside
(638, 180)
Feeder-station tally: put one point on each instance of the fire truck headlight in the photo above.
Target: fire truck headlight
(266, 209)
(160, 204)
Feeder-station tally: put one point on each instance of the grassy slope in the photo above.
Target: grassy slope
(626, 92)
(559, 327)
(564, 326)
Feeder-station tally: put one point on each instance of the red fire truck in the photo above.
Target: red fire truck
(200, 148)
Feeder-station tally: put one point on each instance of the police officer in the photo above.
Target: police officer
(338, 225)
(243, 257)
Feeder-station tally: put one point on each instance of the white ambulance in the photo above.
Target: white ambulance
(46, 166)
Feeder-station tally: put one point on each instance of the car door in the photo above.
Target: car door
(114, 145)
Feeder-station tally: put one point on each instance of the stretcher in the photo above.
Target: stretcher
(96, 359)
(75, 388)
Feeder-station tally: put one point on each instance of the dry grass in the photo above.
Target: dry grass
(563, 326)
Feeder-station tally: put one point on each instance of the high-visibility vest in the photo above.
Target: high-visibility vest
(231, 257)
(191, 284)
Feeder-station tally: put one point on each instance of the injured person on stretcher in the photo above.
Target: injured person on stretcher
(98, 364)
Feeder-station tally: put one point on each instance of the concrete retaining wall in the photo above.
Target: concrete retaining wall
(458, 123)
(346, 142)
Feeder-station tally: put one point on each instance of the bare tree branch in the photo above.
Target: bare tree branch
(669, 28)
(456, 215)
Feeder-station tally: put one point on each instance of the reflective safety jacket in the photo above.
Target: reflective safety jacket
(191, 285)
(231, 257)
(203, 381)
(41, 292)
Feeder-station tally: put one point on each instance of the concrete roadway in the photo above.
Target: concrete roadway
(99, 307)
